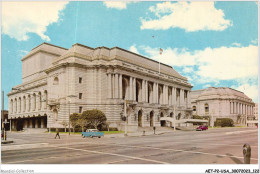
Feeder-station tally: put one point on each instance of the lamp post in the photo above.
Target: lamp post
(70, 96)
(125, 117)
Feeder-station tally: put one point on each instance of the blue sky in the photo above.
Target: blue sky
(212, 44)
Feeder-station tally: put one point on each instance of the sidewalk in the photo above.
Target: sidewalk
(136, 134)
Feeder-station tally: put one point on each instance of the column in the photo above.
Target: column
(131, 89)
(116, 86)
(189, 99)
(143, 90)
(173, 96)
(109, 87)
(166, 95)
(146, 91)
(157, 94)
(120, 86)
(36, 123)
(235, 108)
(154, 93)
(134, 88)
(182, 97)
(231, 108)
(42, 123)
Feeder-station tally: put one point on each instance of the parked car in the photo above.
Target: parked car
(92, 133)
(202, 128)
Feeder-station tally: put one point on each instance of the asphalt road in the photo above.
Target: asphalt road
(215, 146)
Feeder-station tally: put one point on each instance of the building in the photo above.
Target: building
(222, 102)
(57, 82)
(256, 111)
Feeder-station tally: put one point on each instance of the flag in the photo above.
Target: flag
(161, 50)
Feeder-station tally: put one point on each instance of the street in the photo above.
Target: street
(215, 146)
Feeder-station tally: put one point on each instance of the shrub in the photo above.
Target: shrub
(197, 117)
(224, 122)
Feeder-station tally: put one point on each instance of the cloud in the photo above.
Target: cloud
(190, 16)
(134, 49)
(250, 90)
(223, 63)
(21, 18)
(120, 5)
(187, 69)
(236, 44)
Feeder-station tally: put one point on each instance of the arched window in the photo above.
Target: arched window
(206, 108)
(24, 104)
(40, 100)
(12, 106)
(15, 105)
(55, 81)
(150, 92)
(125, 88)
(194, 108)
(138, 91)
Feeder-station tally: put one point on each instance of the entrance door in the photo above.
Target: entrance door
(151, 119)
(140, 119)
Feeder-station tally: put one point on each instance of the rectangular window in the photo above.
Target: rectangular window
(80, 79)
(80, 95)
(80, 109)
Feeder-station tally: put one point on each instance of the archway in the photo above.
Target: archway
(163, 122)
(151, 119)
(140, 118)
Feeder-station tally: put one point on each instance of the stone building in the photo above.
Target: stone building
(222, 102)
(57, 82)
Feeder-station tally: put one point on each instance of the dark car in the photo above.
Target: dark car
(202, 128)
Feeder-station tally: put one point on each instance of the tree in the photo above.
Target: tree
(82, 122)
(74, 120)
(65, 124)
(94, 117)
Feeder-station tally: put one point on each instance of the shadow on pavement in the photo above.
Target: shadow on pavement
(237, 161)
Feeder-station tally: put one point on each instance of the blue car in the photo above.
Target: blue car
(92, 133)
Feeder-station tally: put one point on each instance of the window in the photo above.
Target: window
(194, 108)
(55, 81)
(206, 108)
(80, 109)
(80, 79)
(80, 95)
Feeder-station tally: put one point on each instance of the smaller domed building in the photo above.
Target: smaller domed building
(222, 102)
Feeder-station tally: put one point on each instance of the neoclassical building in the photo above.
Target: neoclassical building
(222, 102)
(57, 82)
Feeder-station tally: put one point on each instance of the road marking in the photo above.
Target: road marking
(187, 151)
(35, 159)
(238, 132)
(114, 154)
(156, 148)
(23, 146)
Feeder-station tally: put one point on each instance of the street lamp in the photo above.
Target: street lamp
(70, 96)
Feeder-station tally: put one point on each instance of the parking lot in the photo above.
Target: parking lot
(214, 146)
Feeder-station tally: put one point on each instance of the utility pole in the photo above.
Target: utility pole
(2, 112)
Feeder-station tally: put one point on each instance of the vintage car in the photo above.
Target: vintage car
(92, 133)
(202, 128)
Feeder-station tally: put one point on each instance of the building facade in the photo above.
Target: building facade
(57, 82)
(222, 102)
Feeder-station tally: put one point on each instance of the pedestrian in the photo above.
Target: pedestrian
(57, 133)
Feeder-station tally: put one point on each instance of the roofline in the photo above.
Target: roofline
(141, 56)
(116, 47)
(50, 45)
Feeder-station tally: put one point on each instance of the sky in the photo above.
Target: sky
(211, 43)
